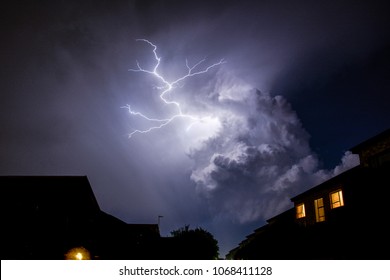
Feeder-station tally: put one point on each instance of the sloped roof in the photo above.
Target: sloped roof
(379, 137)
(351, 173)
(69, 193)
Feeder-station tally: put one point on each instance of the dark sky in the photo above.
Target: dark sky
(302, 82)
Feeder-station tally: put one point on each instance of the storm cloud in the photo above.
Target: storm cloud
(258, 159)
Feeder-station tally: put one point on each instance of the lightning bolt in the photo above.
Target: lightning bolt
(167, 87)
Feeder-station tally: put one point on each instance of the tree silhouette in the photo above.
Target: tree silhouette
(195, 244)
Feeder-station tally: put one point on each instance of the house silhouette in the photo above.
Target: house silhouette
(45, 217)
(58, 217)
(346, 217)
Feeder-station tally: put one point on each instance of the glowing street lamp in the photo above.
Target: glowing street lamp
(79, 256)
(78, 253)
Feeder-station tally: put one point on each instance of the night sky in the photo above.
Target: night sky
(301, 83)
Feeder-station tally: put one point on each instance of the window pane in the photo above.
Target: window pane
(300, 211)
(336, 199)
(319, 208)
(341, 198)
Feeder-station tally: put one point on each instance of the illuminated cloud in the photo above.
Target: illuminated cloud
(259, 157)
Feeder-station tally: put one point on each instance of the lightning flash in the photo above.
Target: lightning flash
(168, 86)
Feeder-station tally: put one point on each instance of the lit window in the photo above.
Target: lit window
(336, 199)
(300, 211)
(319, 208)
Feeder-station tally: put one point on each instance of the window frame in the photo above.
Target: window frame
(319, 209)
(300, 214)
(340, 200)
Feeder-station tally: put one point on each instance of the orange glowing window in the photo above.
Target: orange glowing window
(336, 199)
(320, 210)
(300, 211)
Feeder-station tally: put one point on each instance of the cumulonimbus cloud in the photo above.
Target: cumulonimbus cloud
(259, 158)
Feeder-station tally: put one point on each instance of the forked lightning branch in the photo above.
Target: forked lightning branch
(167, 86)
